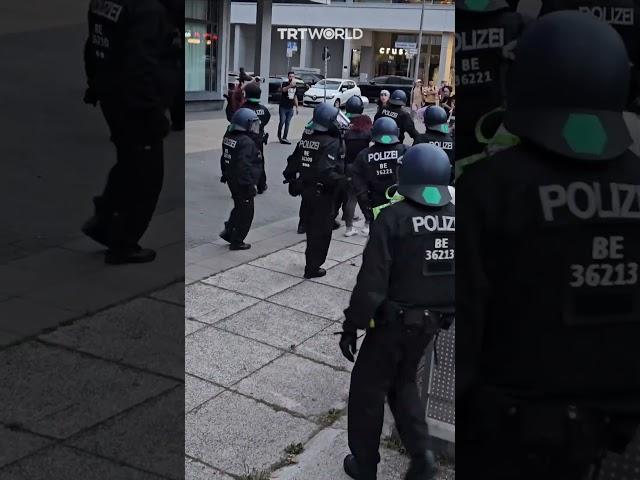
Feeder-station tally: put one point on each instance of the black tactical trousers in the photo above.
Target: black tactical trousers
(131, 194)
(386, 367)
(319, 213)
(133, 186)
(241, 216)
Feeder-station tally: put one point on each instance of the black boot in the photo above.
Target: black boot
(132, 255)
(356, 471)
(423, 467)
(239, 246)
(321, 272)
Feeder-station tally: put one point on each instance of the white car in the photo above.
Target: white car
(339, 91)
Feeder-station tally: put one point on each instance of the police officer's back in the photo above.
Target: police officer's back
(484, 33)
(316, 170)
(252, 93)
(437, 131)
(547, 306)
(241, 166)
(132, 75)
(404, 294)
(396, 110)
(374, 170)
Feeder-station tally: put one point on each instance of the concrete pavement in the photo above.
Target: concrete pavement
(264, 372)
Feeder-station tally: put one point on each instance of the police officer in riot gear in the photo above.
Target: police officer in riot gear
(395, 109)
(547, 365)
(241, 166)
(356, 139)
(437, 132)
(316, 169)
(252, 94)
(374, 170)
(485, 34)
(131, 74)
(403, 296)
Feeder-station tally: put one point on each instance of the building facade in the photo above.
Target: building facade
(382, 25)
(222, 36)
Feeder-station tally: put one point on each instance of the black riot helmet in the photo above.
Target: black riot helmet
(385, 130)
(253, 92)
(582, 118)
(245, 120)
(481, 5)
(354, 105)
(398, 97)
(327, 117)
(435, 118)
(424, 174)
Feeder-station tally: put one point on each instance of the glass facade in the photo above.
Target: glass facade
(202, 27)
(392, 61)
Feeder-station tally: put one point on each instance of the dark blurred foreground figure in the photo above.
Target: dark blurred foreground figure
(241, 164)
(624, 17)
(548, 299)
(131, 73)
(404, 295)
(486, 32)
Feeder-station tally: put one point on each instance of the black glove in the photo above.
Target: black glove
(265, 138)
(223, 179)
(348, 342)
(90, 97)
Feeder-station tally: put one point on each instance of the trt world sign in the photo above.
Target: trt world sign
(318, 33)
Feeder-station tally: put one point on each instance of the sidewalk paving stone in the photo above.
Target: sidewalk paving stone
(321, 300)
(8, 338)
(173, 294)
(16, 444)
(198, 391)
(323, 347)
(225, 358)
(194, 470)
(66, 463)
(253, 281)
(210, 304)
(341, 276)
(39, 389)
(60, 262)
(237, 434)
(141, 333)
(308, 388)
(144, 437)
(338, 250)
(323, 458)
(287, 261)
(191, 326)
(275, 325)
(22, 317)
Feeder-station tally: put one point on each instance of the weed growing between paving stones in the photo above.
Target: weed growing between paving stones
(256, 475)
(393, 443)
(327, 419)
(294, 449)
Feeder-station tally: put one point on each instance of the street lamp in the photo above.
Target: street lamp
(417, 65)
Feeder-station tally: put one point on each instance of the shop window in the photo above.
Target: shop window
(201, 45)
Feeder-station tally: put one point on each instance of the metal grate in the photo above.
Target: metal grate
(441, 389)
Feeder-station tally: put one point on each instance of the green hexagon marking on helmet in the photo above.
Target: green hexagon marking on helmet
(585, 133)
(386, 139)
(477, 5)
(431, 195)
